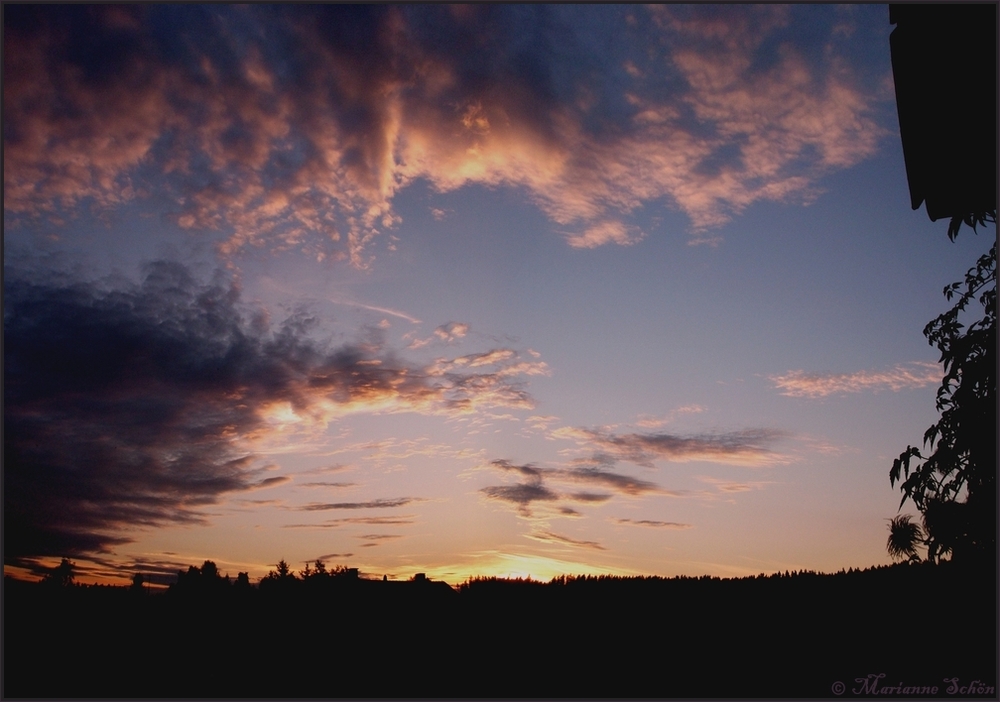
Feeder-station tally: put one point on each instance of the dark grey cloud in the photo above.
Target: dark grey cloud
(534, 488)
(747, 446)
(377, 539)
(550, 537)
(368, 521)
(327, 556)
(596, 497)
(323, 470)
(528, 471)
(522, 495)
(618, 482)
(114, 410)
(130, 405)
(380, 537)
(371, 504)
(271, 482)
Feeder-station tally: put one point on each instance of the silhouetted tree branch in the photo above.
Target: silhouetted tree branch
(955, 485)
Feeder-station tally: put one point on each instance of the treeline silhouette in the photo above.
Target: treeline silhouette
(331, 632)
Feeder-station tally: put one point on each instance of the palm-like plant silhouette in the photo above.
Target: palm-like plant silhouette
(904, 535)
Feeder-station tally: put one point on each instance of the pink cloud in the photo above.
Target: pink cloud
(308, 151)
(451, 331)
(901, 377)
(604, 233)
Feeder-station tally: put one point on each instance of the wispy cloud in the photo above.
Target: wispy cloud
(270, 482)
(653, 523)
(325, 470)
(745, 447)
(383, 310)
(370, 504)
(451, 331)
(652, 422)
(591, 497)
(624, 484)
(541, 422)
(376, 521)
(507, 362)
(321, 484)
(330, 556)
(379, 452)
(732, 485)
(395, 520)
(902, 376)
(527, 470)
(307, 150)
(448, 333)
(552, 538)
(607, 232)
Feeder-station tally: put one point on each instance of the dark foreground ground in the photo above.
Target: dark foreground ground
(801, 636)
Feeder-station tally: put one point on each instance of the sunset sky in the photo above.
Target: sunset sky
(496, 290)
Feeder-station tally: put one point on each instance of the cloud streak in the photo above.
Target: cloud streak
(370, 504)
(327, 484)
(652, 523)
(271, 482)
(553, 538)
(749, 447)
(401, 520)
(902, 376)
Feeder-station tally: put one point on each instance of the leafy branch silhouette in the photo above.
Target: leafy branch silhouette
(961, 462)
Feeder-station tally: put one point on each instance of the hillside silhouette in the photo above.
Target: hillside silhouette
(335, 633)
